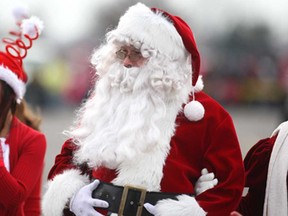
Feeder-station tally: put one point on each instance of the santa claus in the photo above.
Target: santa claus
(147, 130)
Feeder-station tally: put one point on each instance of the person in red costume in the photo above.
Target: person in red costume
(266, 165)
(22, 149)
(140, 140)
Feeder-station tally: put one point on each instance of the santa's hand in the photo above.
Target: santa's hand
(235, 213)
(83, 204)
(150, 208)
(205, 182)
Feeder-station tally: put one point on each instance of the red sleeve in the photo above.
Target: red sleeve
(223, 157)
(256, 168)
(30, 208)
(27, 152)
(64, 160)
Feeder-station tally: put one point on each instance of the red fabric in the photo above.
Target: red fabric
(64, 160)
(212, 143)
(20, 190)
(13, 65)
(256, 170)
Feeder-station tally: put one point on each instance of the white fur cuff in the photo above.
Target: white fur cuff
(60, 190)
(184, 206)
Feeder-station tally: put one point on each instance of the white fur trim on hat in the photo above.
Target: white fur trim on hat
(60, 190)
(12, 80)
(184, 206)
(141, 25)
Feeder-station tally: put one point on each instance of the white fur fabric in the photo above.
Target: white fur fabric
(132, 118)
(13, 81)
(140, 25)
(184, 206)
(32, 26)
(276, 189)
(60, 190)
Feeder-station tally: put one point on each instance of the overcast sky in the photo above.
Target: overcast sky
(66, 20)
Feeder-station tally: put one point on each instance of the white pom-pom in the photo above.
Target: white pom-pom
(194, 111)
(20, 12)
(31, 26)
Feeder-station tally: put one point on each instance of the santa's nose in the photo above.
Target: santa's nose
(127, 62)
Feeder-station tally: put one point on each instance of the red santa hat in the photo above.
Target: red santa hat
(11, 70)
(166, 34)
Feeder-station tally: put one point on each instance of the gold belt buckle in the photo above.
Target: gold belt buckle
(124, 199)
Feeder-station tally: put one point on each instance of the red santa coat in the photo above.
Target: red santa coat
(20, 190)
(211, 142)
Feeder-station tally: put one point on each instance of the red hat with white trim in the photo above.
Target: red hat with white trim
(168, 35)
(11, 70)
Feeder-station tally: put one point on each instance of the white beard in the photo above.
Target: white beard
(131, 117)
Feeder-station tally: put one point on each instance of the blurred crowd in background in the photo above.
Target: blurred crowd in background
(245, 65)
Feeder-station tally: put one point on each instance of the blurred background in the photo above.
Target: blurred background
(243, 46)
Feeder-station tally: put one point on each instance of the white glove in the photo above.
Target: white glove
(150, 208)
(205, 182)
(184, 205)
(82, 202)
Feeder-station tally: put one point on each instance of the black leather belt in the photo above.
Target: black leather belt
(128, 200)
